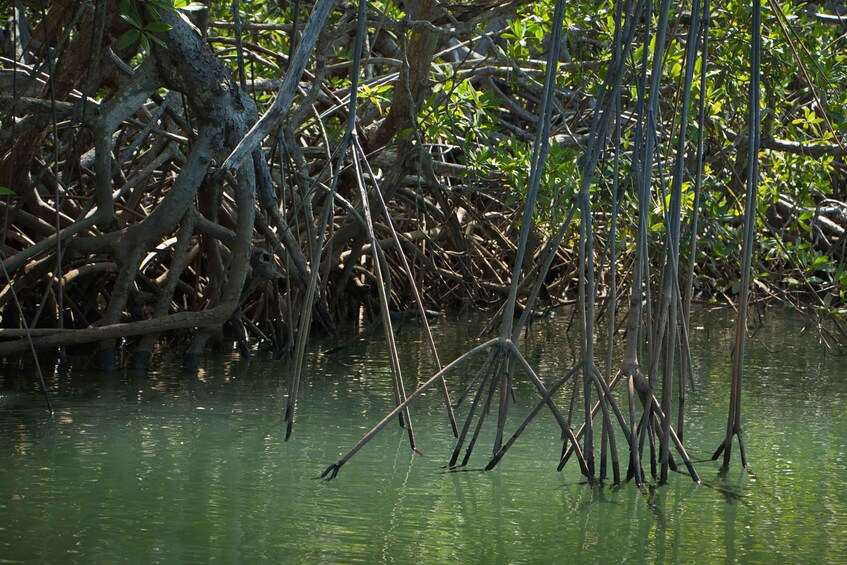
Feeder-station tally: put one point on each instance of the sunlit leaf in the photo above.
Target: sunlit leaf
(189, 6)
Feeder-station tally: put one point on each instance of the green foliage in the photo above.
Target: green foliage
(524, 36)
(188, 6)
(145, 33)
(804, 99)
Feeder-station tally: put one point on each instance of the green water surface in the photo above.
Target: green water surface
(167, 466)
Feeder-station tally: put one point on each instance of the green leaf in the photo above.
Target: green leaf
(145, 43)
(157, 27)
(6, 191)
(153, 12)
(157, 41)
(130, 14)
(128, 39)
(131, 20)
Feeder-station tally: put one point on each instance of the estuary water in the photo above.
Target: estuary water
(167, 466)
